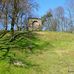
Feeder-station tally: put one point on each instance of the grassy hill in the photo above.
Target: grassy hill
(40, 52)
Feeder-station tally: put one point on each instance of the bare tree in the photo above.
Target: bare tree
(59, 16)
(70, 10)
(16, 10)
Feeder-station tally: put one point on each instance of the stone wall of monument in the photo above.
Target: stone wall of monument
(34, 23)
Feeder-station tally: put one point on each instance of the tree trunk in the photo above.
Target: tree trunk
(14, 13)
(17, 24)
(6, 22)
(12, 26)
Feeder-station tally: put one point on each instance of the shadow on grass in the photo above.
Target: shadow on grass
(22, 40)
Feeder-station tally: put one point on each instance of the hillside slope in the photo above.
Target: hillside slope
(41, 53)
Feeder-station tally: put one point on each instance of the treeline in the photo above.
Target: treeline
(14, 14)
(60, 18)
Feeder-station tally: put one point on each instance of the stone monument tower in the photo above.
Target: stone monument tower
(34, 23)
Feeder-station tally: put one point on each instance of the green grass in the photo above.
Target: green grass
(52, 53)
